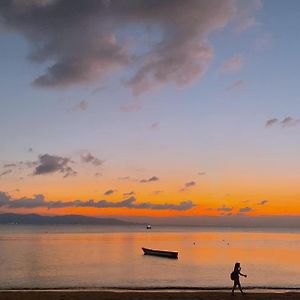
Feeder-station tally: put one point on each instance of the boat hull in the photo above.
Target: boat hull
(161, 253)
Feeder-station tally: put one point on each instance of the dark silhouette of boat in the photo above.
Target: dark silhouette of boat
(161, 253)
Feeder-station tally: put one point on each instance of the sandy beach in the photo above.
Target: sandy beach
(105, 295)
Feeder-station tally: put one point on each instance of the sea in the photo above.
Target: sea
(111, 257)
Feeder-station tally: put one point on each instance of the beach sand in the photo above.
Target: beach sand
(104, 295)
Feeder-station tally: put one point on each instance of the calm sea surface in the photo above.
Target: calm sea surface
(111, 256)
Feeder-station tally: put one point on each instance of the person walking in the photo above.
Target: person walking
(235, 276)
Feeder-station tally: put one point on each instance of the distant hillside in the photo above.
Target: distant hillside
(34, 219)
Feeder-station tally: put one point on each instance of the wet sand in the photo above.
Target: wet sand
(105, 295)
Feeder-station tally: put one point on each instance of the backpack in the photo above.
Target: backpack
(232, 276)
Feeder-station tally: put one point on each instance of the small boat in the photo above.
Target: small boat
(148, 227)
(161, 253)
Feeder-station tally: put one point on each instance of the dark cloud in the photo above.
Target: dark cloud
(151, 179)
(30, 149)
(89, 158)
(109, 192)
(263, 202)
(245, 209)
(285, 122)
(5, 172)
(39, 201)
(271, 122)
(48, 164)
(128, 194)
(81, 40)
(187, 185)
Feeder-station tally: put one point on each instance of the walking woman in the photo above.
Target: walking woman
(235, 276)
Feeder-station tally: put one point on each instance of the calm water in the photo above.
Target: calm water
(97, 256)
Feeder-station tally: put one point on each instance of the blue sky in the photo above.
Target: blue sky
(215, 124)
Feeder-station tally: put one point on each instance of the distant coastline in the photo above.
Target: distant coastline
(35, 219)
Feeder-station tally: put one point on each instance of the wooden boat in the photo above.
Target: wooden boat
(161, 253)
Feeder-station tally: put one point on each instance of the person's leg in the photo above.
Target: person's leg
(239, 285)
(233, 288)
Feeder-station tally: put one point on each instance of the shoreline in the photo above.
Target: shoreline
(178, 289)
(140, 295)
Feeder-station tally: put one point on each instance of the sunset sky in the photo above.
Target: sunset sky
(150, 108)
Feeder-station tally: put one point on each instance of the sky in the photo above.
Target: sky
(150, 108)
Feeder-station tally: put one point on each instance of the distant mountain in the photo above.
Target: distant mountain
(34, 219)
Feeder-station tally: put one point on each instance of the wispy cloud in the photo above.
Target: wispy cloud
(201, 173)
(39, 201)
(5, 172)
(89, 158)
(187, 185)
(284, 123)
(109, 192)
(235, 86)
(151, 179)
(262, 202)
(232, 64)
(245, 209)
(271, 122)
(154, 125)
(81, 106)
(128, 194)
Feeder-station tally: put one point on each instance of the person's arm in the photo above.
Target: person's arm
(242, 274)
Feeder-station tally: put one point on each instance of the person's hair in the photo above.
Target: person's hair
(237, 266)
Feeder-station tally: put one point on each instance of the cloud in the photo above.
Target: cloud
(5, 172)
(187, 185)
(285, 122)
(245, 209)
(109, 192)
(89, 158)
(84, 41)
(262, 202)
(48, 164)
(224, 208)
(128, 194)
(39, 201)
(9, 165)
(289, 121)
(190, 183)
(124, 178)
(82, 105)
(235, 86)
(30, 149)
(201, 173)
(151, 179)
(271, 122)
(245, 18)
(154, 125)
(233, 64)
